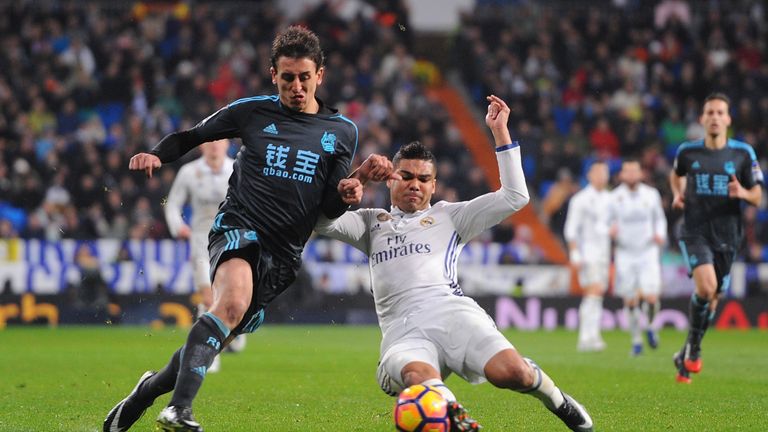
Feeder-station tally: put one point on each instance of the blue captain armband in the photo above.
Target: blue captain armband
(507, 147)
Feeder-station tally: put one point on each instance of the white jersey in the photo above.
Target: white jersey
(413, 256)
(639, 217)
(587, 224)
(205, 189)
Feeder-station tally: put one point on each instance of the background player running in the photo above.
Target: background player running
(710, 180)
(589, 246)
(639, 228)
(429, 328)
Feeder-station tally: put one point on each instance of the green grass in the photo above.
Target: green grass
(322, 378)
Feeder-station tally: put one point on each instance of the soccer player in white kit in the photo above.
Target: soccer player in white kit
(203, 183)
(639, 229)
(429, 328)
(589, 246)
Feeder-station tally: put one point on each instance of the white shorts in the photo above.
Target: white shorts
(201, 263)
(594, 272)
(461, 338)
(635, 277)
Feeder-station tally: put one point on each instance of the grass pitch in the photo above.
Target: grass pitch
(322, 378)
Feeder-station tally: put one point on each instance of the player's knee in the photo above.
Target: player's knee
(418, 372)
(413, 377)
(513, 374)
(235, 312)
(230, 311)
(706, 290)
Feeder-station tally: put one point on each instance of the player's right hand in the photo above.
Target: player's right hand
(144, 162)
(678, 202)
(351, 191)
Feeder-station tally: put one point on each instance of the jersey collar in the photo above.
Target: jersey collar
(395, 211)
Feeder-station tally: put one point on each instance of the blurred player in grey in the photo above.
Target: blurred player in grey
(711, 179)
(203, 184)
(589, 248)
(639, 230)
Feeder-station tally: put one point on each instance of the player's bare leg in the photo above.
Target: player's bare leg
(509, 370)
(232, 292)
(590, 317)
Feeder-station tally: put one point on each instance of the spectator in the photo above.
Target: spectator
(603, 140)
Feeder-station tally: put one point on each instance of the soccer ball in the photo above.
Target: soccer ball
(421, 408)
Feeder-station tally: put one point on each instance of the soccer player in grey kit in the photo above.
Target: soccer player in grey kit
(710, 179)
(295, 151)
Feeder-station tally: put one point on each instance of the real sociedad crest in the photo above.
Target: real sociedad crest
(730, 168)
(328, 141)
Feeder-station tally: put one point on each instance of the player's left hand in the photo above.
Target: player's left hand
(351, 191)
(735, 189)
(498, 113)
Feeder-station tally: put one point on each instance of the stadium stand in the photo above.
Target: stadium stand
(84, 85)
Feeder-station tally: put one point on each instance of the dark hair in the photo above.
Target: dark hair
(717, 96)
(414, 150)
(297, 42)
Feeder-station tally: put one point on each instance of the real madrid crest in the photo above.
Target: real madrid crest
(427, 221)
(383, 217)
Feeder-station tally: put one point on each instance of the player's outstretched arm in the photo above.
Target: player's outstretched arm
(477, 215)
(219, 125)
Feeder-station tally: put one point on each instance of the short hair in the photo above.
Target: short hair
(414, 150)
(631, 159)
(717, 96)
(297, 42)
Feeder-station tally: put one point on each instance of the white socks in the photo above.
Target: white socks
(590, 317)
(633, 321)
(544, 388)
(440, 386)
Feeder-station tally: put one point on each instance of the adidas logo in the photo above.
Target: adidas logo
(696, 165)
(271, 129)
(200, 370)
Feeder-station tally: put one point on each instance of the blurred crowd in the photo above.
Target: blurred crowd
(85, 85)
(618, 78)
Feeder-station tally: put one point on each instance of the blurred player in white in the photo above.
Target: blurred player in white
(589, 248)
(429, 328)
(639, 229)
(203, 184)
